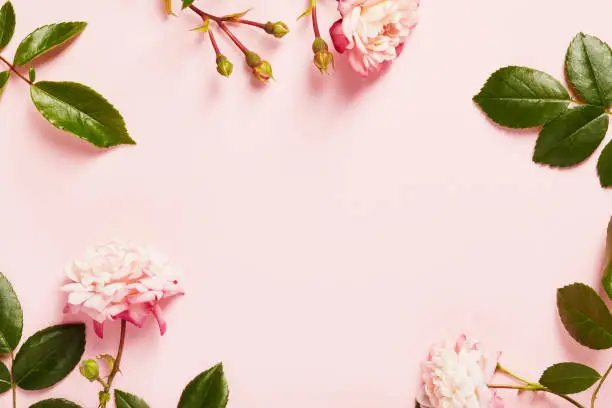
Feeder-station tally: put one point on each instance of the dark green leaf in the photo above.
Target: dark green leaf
(7, 24)
(4, 77)
(187, 3)
(55, 403)
(609, 238)
(520, 97)
(588, 65)
(49, 356)
(11, 317)
(417, 405)
(585, 316)
(207, 390)
(82, 111)
(125, 400)
(606, 281)
(572, 137)
(569, 378)
(604, 166)
(46, 38)
(5, 378)
(32, 74)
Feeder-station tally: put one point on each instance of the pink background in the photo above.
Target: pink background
(329, 228)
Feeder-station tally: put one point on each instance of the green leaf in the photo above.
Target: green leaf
(204, 27)
(207, 390)
(4, 77)
(168, 7)
(588, 66)
(569, 378)
(125, 400)
(572, 137)
(46, 38)
(49, 356)
(32, 74)
(81, 111)
(187, 3)
(7, 23)
(5, 378)
(11, 317)
(520, 97)
(585, 316)
(55, 403)
(606, 281)
(604, 166)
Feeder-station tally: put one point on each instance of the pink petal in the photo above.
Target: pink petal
(340, 40)
(460, 342)
(496, 401)
(99, 328)
(157, 312)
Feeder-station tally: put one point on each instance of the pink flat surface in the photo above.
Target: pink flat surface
(329, 229)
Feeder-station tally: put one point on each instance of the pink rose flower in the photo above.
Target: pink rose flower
(120, 281)
(372, 32)
(456, 376)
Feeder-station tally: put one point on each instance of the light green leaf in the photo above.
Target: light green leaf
(81, 111)
(306, 13)
(235, 17)
(125, 400)
(5, 378)
(7, 23)
(204, 27)
(569, 378)
(4, 77)
(207, 390)
(46, 38)
(168, 7)
(604, 166)
(11, 317)
(588, 65)
(187, 3)
(49, 356)
(585, 316)
(606, 281)
(572, 137)
(55, 403)
(32, 74)
(520, 97)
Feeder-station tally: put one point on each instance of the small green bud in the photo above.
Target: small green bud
(224, 66)
(32, 74)
(322, 60)
(90, 369)
(278, 29)
(252, 59)
(104, 398)
(319, 45)
(263, 72)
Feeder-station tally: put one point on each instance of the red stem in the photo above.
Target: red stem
(214, 42)
(12, 68)
(252, 23)
(231, 35)
(315, 22)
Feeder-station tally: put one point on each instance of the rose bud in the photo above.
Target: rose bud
(323, 57)
(278, 29)
(90, 369)
(224, 66)
(262, 70)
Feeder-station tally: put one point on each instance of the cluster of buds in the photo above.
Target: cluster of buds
(90, 369)
(262, 70)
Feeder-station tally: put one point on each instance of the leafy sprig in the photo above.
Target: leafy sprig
(68, 106)
(575, 121)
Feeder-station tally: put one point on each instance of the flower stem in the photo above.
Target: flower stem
(603, 379)
(315, 20)
(511, 374)
(536, 387)
(214, 43)
(115, 369)
(13, 385)
(14, 69)
(231, 35)
(252, 23)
